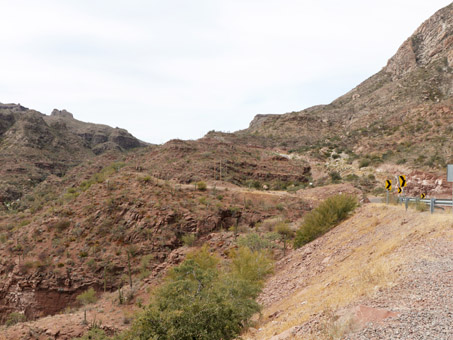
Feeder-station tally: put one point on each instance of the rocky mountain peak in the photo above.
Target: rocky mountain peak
(62, 113)
(431, 41)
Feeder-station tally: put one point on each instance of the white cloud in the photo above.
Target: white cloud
(166, 69)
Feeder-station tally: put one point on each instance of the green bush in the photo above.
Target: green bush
(326, 216)
(203, 299)
(201, 186)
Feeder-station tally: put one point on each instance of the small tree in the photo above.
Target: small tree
(286, 233)
(86, 298)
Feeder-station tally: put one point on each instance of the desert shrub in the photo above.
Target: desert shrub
(254, 242)
(335, 176)
(145, 179)
(86, 298)
(91, 263)
(280, 206)
(351, 177)
(94, 333)
(326, 216)
(188, 239)
(23, 223)
(364, 162)
(201, 186)
(202, 300)
(144, 264)
(14, 318)
(251, 266)
(254, 184)
(203, 200)
(61, 225)
(269, 224)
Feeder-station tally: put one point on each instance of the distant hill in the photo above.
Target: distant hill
(34, 145)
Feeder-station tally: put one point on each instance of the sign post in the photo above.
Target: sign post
(388, 186)
(401, 180)
(450, 179)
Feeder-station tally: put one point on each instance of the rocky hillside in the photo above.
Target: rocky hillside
(76, 231)
(34, 146)
(78, 212)
(403, 113)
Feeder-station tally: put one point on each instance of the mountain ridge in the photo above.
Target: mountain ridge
(34, 145)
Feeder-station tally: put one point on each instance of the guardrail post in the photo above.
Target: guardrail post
(431, 205)
(406, 202)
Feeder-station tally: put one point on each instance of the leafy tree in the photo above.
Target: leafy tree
(204, 299)
(286, 233)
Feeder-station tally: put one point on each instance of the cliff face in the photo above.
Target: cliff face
(33, 146)
(431, 41)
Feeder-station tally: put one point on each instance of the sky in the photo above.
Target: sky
(180, 68)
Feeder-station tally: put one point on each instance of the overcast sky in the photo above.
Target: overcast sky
(179, 68)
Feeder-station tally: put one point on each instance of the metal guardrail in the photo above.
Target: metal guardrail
(432, 202)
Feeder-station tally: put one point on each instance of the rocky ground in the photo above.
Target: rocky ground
(423, 300)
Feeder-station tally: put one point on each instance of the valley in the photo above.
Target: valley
(86, 206)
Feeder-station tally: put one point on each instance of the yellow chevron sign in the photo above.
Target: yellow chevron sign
(402, 180)
(422, 195)
(399, 190)
(388, 185)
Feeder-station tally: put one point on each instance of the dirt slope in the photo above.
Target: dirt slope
(381, 261)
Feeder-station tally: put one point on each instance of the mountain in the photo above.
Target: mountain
(34, 146)
(79, 212)
(406, 109)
